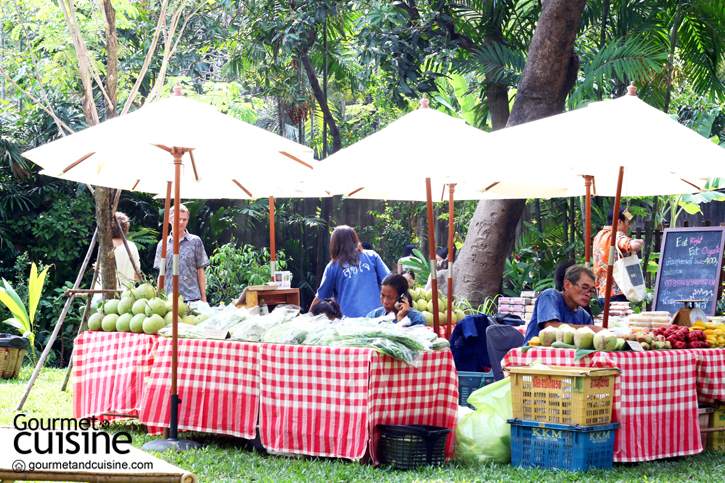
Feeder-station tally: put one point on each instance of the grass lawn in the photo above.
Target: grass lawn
(232, 460)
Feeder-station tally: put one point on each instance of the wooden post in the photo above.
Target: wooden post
(612, 251)
(59, 324)
(272, 249)
(587, 222)
(451, 233)
(165, 231)
(432, 251)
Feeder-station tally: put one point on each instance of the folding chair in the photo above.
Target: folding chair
(500, 339)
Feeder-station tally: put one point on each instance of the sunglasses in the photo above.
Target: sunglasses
(585, 289)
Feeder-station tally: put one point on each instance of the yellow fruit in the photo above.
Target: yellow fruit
(534, 341)
(721, 340)
(719, 332)
(699, 324)
(709, 332)
(721, 327)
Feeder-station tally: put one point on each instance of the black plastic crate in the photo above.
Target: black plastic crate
(405, 447)
(472, 381)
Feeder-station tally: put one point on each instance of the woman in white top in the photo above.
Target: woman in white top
(124, 269)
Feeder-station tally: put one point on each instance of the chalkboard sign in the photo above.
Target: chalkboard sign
(689, 269)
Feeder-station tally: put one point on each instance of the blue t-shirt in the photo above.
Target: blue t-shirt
(356, 288)
(416, 318)
(551, 306)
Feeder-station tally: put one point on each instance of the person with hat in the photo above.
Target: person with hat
(601, 245)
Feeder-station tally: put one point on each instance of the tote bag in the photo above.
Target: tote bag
(628, 275)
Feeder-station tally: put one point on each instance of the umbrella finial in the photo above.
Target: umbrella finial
(424, 102)
(632, 89)
(177, 89)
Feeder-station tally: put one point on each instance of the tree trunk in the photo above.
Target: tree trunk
(549, 74)
(479, 268)
(319, 94)
(109, 20)
(280, 116)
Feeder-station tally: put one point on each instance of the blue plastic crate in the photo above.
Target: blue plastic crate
(561, 446)
(471, 381)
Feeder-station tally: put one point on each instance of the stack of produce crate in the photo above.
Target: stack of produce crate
(522, 306)
(562, 417)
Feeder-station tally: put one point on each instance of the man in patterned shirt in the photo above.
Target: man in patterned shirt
(601, 246)
(192, 260)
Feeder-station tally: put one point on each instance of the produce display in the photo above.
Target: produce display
(140, 309)
(284, 326)
(702, 335)
(423, 302)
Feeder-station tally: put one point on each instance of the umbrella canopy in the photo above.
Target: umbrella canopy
(659, 155)
(393, 163)
(241, 160)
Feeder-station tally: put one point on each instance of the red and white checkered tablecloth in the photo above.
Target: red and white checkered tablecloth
(710, 375)
(655, 399)
(217, 382)
(109, 370)
(427, 394)
(325, 401)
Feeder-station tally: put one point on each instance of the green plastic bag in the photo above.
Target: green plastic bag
(484, 435)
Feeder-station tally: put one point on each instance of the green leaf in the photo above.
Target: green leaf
(581, 353)
(35, 288)
(13, 303)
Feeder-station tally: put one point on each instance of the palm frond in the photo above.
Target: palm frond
(501, 64)
(632, 59)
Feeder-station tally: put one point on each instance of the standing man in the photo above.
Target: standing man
(601, 246)
(192, 260)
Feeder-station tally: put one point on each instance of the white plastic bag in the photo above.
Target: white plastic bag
(628, 275)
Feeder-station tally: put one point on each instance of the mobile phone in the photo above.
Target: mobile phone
(399, 302)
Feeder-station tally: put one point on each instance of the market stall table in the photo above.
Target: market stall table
(655, 399)
(109, 372)
(318, 401)
(218, 387)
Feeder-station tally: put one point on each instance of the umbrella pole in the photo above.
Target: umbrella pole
(272, 251)
(167, 207)
(451, 233)
(610, 264)
(432, 247)
(588, 222)
(173, 442)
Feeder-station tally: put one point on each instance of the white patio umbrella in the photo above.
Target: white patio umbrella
(619, 147)
(221, 150)
(418, 156)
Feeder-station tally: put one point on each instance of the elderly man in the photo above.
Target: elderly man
(554, 308)
(192, 260)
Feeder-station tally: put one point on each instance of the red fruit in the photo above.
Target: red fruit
(706, 344)
(692, 345)
(679, 345)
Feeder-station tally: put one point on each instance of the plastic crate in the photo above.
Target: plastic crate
(560, 446)
(471, 381)
(703, 419)
(563, 395)
(716, 441)
(405, 447)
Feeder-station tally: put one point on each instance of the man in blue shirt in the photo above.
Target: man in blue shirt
(554, 308)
